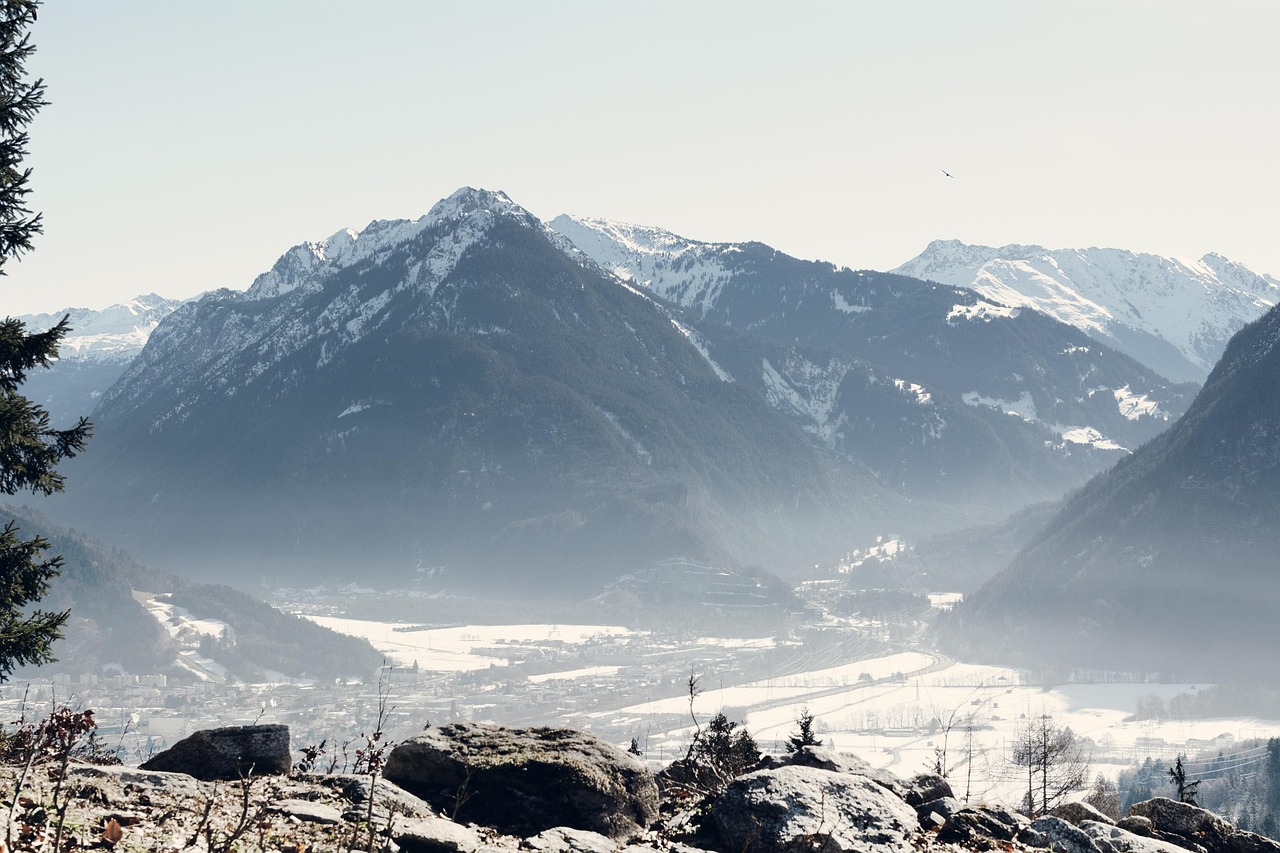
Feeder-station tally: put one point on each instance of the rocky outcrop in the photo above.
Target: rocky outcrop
(1194, 828)
(1078, 812)
(533, 785)
(808, 808)
(1057, 835)
(1115, 839)
(982, 827)
(838, 762)
(434, 835)
(562, 839)
(524, 781)
(228, 753)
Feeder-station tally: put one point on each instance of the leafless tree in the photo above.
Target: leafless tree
(1054, 760)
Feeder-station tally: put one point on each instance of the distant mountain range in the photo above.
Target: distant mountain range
(1167, 561)
(464, 399)
(1172, 314)
(91, 358)
(1045, 380)
(476, 400)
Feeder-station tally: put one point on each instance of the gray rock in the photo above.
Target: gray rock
(228, 753)
(433, 835)
(309, 811)
(936, 813)
(839, 762)
(1112, 838)
(808, 808)
(1189, 826)
(925, 788)
(564, 839)
(982, 827)
(522, 781)
(388, 797)
(1078, 812)
(1137, 824)
(1058, 835)
(179, 784)
(1181, 819)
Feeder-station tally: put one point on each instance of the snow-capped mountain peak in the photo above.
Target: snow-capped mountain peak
(114, 334)
(1173, 314)
(469, 211)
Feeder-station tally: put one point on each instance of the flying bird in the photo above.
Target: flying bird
(948, 174)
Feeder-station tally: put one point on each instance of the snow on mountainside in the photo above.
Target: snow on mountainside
(984, 351)
(449, 229)
(688, 272)
(1173, 314)
(466, 390)
(114, 334)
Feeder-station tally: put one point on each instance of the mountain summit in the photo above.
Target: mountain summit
(1173, 314)
(461, 401)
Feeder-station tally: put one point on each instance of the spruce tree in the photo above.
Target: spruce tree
(805, 736)
(30, 448)
(1186, 790)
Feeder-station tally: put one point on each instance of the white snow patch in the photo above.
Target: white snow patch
(984, 311)
(1134, 406)
(838, 300)
(1024, 407)
(575, 674)
(645, 456)
(922, 396)
(1088, 435)
(456, 649)
(701, 346)
(355, 408)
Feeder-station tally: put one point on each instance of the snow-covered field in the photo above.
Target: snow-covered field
(881, 709)
(888, 724)
(454, 649)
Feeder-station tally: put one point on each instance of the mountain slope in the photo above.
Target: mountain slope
(94, 355)
(1066, 396)
(110, 626)
(1167, 561)
(462, 400)
(1173, 314)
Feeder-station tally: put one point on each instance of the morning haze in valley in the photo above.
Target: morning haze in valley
(847, 427)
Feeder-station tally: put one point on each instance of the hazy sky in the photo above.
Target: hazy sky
(188, 145)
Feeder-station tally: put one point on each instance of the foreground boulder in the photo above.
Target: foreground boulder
(982, 827)
(1115, 839)
(841, 762)
(233, 752)
(524, 781)
(1195, 828)
(807, 808)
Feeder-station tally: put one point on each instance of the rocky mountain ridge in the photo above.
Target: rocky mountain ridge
(468, 393)
(1173, 314)
(947, 341)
